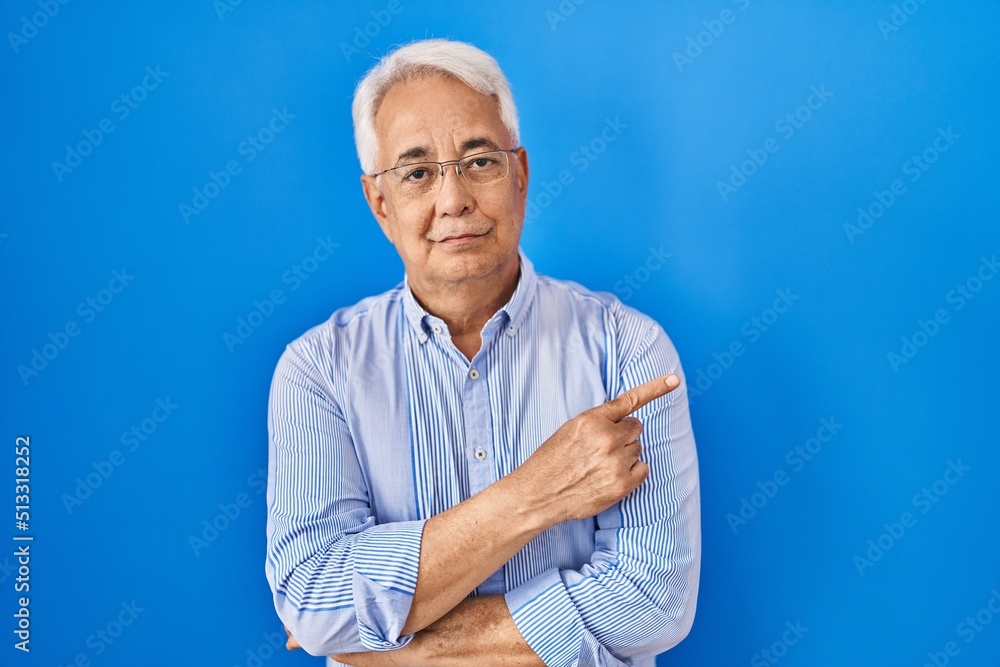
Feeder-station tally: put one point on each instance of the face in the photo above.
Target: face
(462, 230)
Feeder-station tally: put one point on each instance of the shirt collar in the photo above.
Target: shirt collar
(515, 309)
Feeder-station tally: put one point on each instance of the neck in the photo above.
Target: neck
(467, 306)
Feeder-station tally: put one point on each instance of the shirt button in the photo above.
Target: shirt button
(437, 328)
(474, 374)
(480, 453)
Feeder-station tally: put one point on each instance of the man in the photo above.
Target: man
(442, 489)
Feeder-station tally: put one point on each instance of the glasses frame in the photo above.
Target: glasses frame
(457, 163)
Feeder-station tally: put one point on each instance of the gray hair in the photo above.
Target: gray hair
(470, 65)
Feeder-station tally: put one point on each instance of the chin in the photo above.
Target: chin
(473, 263)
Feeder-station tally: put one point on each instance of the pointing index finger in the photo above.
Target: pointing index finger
(625, 404)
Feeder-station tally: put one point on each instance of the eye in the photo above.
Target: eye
(418, 174)
(483, 162)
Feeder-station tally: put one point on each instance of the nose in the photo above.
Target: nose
(454, 198)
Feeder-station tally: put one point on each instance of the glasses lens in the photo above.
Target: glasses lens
(485, 167)
(416, 179)
(421, 178)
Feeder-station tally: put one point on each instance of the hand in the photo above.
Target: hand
(292, 642)
(592, 461)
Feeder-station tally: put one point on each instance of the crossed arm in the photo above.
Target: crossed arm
(478, 631)
(413, 609)
(588, 465)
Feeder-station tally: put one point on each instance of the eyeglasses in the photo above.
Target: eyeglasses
(422, 178)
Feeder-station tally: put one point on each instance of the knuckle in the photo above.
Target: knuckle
(586, 428)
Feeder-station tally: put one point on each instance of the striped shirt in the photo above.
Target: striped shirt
(377, 422)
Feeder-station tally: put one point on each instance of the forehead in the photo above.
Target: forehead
(436, 113)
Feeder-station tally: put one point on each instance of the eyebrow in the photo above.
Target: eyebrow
(478, 142)
(422, 152)
(415, 152)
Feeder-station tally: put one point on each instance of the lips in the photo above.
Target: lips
(466, 236)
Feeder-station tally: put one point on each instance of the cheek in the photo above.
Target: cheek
(515, 204)
(503, 204)
(409, 223)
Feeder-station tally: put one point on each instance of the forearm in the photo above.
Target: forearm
(377, 565)
(479, 631)
(467, 543)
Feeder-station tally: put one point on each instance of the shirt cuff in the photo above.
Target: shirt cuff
(547, 619)
(386, 560)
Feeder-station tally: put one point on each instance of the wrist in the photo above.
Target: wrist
(531, 505)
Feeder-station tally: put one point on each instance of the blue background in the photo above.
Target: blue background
(655, 187)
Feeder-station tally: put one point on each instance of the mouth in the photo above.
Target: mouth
(460, 239)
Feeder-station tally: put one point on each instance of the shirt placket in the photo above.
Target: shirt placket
(479, 445)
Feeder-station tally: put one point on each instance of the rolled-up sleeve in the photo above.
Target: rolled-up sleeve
(636, 596)
(340, 582)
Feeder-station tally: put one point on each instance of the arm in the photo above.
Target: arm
(569, 624)
(342, 584)
(333, 585)
(479, 631)
(636, 597)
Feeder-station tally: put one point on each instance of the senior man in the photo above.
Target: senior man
(455, 469)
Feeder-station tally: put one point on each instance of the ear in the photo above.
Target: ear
(521, 172)
(377, 204)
